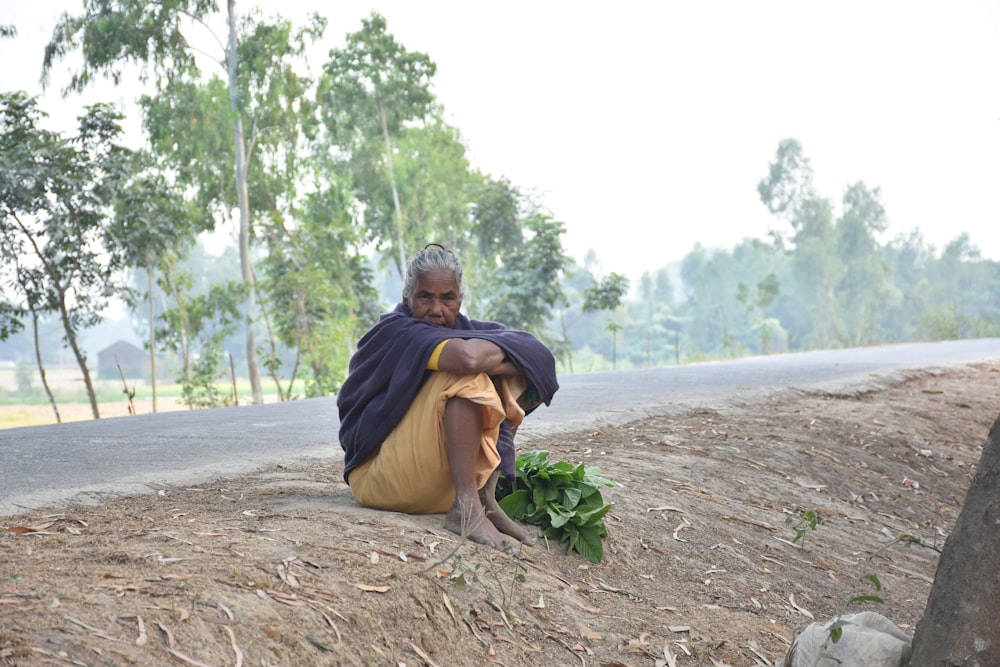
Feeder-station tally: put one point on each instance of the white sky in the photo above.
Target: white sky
(646, 126)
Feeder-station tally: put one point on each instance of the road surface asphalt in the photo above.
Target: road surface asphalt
(85, 461)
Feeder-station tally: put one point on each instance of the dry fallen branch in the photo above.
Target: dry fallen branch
(569, 648)
(226, 611)
(664, 508)
(472, 628)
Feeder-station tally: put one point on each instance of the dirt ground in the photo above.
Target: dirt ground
(701, 564)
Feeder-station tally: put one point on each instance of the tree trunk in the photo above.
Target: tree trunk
(567, 343)
(152, 334)
(81, 358)
(959, 626)
(244, 205)
(395, 195)
(41, 366)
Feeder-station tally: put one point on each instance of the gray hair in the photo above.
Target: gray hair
(433, 256)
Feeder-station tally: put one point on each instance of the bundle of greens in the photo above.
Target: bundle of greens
(563, 499)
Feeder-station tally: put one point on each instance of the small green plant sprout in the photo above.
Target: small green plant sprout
(836, 631)
(874, 581)
(463, 575)
(563, 499)
(808, 520)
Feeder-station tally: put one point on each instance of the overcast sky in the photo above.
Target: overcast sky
(646, 126)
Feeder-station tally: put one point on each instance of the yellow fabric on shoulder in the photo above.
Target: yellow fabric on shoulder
(432, 363)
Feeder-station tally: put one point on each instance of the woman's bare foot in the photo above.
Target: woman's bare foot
(468, 518)
(499, 518)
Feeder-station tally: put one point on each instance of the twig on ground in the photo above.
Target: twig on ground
(421, 653)
(236, 648)
(174, 652)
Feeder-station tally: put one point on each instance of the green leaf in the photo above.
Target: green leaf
(558, 517)
(515, 504)
(571, 497)
(874, 580)
(589, 544)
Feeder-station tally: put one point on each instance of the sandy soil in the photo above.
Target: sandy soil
(701, 564)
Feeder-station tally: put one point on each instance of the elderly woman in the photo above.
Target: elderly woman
(431, 403)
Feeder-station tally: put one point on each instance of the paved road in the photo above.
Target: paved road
(42, 465)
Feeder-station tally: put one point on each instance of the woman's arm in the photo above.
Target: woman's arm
(462, 356)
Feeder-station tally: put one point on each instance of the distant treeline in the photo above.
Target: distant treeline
(827, 281)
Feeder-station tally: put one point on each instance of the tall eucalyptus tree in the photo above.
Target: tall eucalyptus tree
(259, 99)
(371, 89)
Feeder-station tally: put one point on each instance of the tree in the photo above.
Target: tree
(436, 186)
(607, 295)
(959, 626)
(56, 196)
(788, 192)
(208, 318)
(789, 182)
(655, 311)
(716, 319)
(757, 301)
(152, 229)
(260, 87)
(865, 292)
(496, 215)
(370, 89)
(26, 282)
(319, 291)
(528, 283)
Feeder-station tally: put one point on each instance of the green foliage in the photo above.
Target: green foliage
(24, 374)
(605, 294)
(111, 33)
(789, 182)
(370, 90)
(496, 218)
(316, 288)
(565, 500)
(528, 285)
(839, 622)
(55, 203)
(201, 387)
(808, 520)
(195, 328)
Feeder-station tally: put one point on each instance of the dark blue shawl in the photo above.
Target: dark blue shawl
(390, 366)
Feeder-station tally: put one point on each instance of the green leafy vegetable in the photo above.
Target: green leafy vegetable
(565, 500)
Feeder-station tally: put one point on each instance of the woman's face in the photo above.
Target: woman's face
(437, 298)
